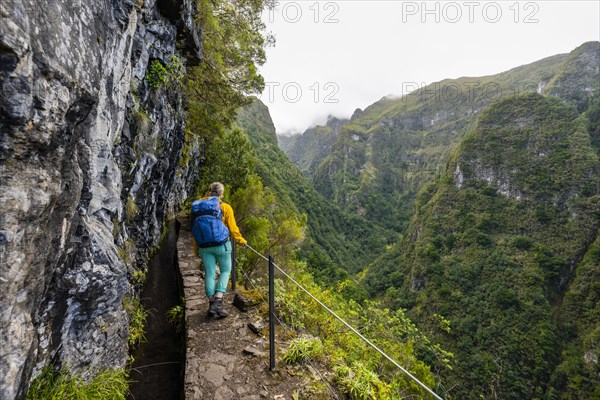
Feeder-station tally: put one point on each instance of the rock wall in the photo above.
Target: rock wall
(89, 170)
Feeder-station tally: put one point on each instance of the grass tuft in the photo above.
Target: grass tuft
(176, 317)
(137, 319)
(131, 208)
(54, 385)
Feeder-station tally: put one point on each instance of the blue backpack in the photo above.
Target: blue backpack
(207, 226)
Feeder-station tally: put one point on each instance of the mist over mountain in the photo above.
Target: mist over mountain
(306, 151)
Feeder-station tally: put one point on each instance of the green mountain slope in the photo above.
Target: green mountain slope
(385, 155)
(496, 246)
(307, 151)
(338, 242)
(578, 77)
(580, 317)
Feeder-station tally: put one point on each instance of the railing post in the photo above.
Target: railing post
(233, 269)
(271, 314)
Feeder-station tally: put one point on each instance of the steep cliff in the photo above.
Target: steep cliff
(89, 170)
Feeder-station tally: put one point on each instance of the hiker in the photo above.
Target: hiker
(212, 223)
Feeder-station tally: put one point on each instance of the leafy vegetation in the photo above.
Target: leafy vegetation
(159, 75)
(138, 277)
(576, 377)
(340, 350)
(59, 385)
(361, 383)
(230, 159)
(267, 225)
(491, 246)
(233, 48)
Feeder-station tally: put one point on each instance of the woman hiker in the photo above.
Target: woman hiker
(212, 223)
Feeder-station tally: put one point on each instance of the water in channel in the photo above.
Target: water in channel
(157, 372)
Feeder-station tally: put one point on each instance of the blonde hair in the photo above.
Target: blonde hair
(215, 189)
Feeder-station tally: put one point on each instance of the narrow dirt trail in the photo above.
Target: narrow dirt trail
(224, 358)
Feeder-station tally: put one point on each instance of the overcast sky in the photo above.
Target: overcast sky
(332, 57)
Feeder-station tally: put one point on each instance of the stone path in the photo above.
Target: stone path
(218, 366)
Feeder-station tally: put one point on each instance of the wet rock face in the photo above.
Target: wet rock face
(82, 134)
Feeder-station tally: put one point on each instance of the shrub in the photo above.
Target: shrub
(522, 242)
(302, 349)
(138, 278)
(157, 75)
(361, 383)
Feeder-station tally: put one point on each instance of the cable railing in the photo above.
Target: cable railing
(273, 317)
(289, 328)
(282, 323)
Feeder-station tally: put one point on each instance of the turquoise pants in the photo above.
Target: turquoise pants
(210, 257)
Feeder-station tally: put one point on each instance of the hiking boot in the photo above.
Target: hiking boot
(218, 308)
(212, 309)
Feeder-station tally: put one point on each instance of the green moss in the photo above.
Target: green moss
(164, 231)
(143, 123)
